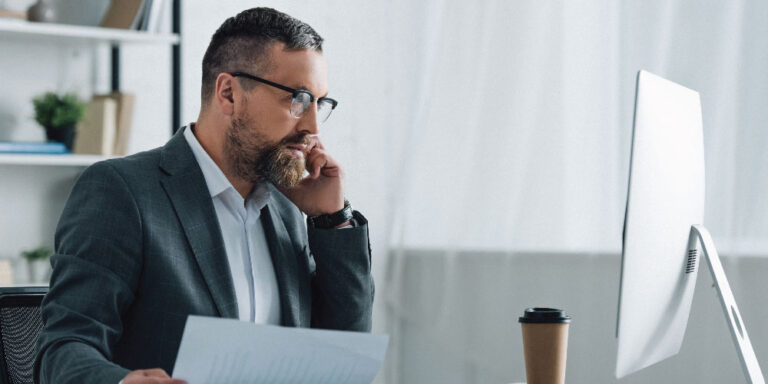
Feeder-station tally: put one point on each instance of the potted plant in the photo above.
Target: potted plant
(59, 115)
(37, 262)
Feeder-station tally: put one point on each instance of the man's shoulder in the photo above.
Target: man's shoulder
(139, 167)
(138, 161)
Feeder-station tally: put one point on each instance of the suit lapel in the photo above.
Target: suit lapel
(286, 265)
(188, 192)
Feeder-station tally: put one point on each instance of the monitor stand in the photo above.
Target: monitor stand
(738, 331)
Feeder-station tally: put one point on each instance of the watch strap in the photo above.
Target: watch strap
(332, 220)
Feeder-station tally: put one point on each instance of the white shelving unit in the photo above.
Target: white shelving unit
(65, 160)
(22, 29)
(48, 31)
(34, 187)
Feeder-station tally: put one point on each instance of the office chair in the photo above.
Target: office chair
(20, 326)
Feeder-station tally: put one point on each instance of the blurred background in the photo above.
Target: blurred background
(488, 144)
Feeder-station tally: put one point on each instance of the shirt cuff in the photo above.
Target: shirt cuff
(352, 224)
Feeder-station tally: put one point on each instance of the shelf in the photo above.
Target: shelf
(65, 160)
(10, 26)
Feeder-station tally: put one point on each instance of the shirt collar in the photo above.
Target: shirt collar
(215, 179)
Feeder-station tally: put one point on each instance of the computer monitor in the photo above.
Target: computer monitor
(663, 232)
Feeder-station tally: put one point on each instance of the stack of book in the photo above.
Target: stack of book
(106, 128)
(4, 13)
(49, 148)
(140, 15)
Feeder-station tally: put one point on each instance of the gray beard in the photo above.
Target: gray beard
(255, 160)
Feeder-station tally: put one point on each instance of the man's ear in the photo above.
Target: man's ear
(224, 96)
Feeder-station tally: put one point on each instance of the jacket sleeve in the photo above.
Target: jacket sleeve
(342, 285)
(96, 268)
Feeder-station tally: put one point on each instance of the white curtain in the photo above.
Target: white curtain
(519, 135)
(516, 141)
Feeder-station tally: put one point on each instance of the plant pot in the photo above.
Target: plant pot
(39, 271)
(64, 135)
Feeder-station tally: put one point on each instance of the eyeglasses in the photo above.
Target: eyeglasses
(301, 99)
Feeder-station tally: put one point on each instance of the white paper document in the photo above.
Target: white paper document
(215, 350)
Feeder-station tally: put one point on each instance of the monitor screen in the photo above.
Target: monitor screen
(664, 199)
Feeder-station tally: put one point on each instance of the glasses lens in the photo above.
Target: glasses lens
(300, 104)
(324, 109)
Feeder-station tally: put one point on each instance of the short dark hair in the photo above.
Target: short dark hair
(242, 43)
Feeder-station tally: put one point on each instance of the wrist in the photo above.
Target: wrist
(338, 219)
(329, 211)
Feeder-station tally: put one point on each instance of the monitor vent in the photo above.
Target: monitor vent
(691, 265)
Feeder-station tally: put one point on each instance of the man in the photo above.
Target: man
(210, 224)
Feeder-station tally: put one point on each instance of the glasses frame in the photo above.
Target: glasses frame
(294, 92)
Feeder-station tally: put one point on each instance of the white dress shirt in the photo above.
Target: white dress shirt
(253, 274)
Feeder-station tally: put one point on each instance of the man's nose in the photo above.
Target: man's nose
(309, 122)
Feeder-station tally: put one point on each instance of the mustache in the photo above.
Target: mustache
(301, 138)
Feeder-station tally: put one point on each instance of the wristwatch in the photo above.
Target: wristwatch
(332, 220)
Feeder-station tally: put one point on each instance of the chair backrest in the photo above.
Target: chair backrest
(20, 326)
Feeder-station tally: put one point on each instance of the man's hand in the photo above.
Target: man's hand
(321, 192)
(150, 376)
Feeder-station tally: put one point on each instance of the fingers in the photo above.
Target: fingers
(313, 167)
(153, 380)
(155, 372)
(316, 160)
(314, 141)
(157, 380)
(319, 162)
(151, 376)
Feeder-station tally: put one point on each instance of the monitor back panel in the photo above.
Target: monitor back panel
(665, 197)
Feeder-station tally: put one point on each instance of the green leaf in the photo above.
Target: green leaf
(54, 111)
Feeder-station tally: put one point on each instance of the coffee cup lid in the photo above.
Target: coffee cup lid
(544, 315)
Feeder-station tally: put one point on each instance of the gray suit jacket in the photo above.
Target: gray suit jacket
(138, 249)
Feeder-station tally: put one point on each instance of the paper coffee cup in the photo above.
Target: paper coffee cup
(545, 344)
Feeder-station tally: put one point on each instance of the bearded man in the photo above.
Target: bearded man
(211, 223)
